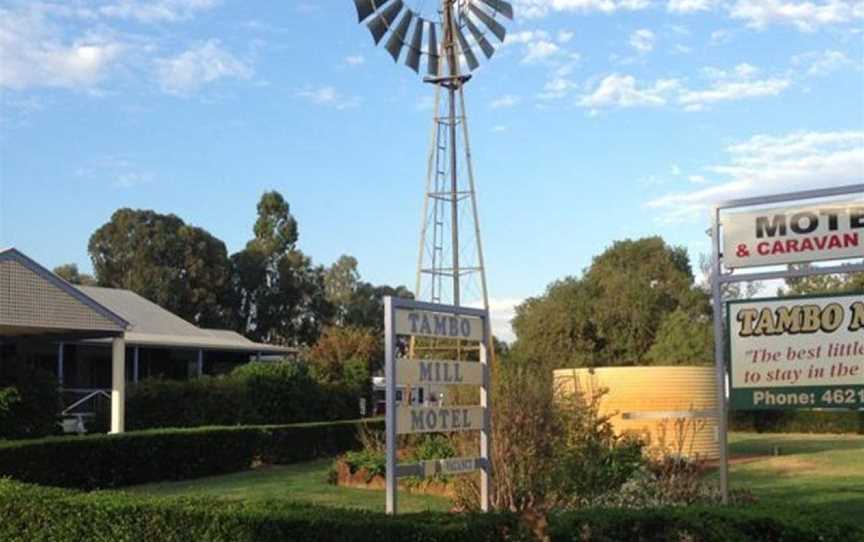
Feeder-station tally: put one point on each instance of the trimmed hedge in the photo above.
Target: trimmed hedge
(253, 394)
(800, 421)
(108, 461)
(701, 524)
(32, 513)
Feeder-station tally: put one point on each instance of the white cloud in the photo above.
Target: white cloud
(202, 64)
(504, 102)
(118, 171)
(540, 50)
(740, 82)
(34, 55)
(766, 164)
(806, 16)
(565, 36)
(819, 64)
(643, 40)
(531, 9)
(155, 11)
(354, 60)
(501, 313)
(328, 96)
(498, 128)
(618, 90)
(689, 6)
(696, 100)
(556, 88)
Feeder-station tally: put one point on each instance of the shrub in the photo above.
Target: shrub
(797, 421)
(255, 393)
(9, 397)
(282, 392)
(31, 410)
(107, 461)
(701, 524)
(172, 403)
(38, 513)
(35, 513)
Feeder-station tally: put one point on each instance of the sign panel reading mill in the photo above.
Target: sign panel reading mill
(417, 319)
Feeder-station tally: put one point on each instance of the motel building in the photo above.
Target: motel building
(97, 340)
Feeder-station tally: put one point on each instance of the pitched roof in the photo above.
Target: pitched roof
(33, 300)
(151, 325)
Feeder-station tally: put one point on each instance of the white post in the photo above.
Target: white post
(719, 355)
(135, 365)
(60, 363)
(486, 432)
(200, 363)
(118, 385)
(390, 412)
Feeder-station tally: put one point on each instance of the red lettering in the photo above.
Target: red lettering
(778, 248)
(762, 248)
(850, 240)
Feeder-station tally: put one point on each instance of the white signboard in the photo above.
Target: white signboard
(800, 352)
(419, 372)
(432, 324)
(451, 465)
(784, 235)
(419, 419)
(465, 325)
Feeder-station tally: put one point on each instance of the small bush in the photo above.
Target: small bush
(253, 394)
(35, 513)
(31, 409)
(797, 421)
(109, 461)
(701, 524)
(38, 513)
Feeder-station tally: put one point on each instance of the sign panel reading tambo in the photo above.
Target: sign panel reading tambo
(802, 352)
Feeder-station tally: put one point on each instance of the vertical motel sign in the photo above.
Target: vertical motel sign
(403, 317)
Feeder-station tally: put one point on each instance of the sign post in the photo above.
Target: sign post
(404, 317)
(774, 235)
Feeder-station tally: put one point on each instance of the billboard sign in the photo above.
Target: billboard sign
(797, 352)
(784, 235)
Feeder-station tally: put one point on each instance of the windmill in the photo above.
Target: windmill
(450, 264)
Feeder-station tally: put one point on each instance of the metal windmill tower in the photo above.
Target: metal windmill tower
(450, 267)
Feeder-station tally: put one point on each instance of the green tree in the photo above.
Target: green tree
(366, 308)
(823, 284)
(177, 266)
(278, 295)
(683, 339)
(611, 315)
(340, 282)
(69, 272)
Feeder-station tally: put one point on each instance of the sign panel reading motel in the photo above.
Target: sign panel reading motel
(784, 235)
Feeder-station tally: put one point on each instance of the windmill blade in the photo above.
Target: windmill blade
(365, 8)
(412, 59)
(494, 26)
(502, 7)
(432, 67)
(481, 40)
(397, 37)
(466, 50)
(383, 21)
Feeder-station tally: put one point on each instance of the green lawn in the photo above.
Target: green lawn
(302, 482)
(823, 473)
(820, 472)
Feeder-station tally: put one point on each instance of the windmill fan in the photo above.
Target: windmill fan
(476, 18)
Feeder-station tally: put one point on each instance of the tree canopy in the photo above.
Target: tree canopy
(177, 266)
(612, 314)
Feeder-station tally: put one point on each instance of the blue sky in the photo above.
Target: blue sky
(597, 120)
